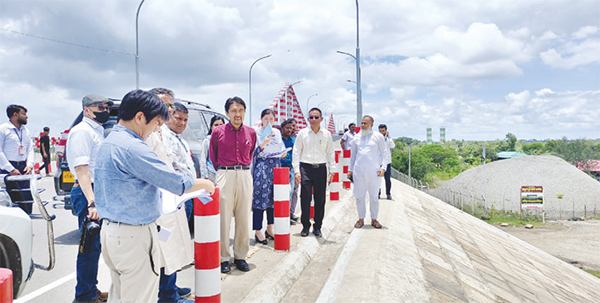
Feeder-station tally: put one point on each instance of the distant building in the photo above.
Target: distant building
(591, 166)
(509, 155)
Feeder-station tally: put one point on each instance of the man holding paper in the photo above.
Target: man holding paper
(128, 176)
(176, 244)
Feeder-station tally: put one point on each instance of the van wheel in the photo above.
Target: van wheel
(10, 258)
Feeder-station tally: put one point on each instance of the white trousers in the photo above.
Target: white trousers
(366, 184)
(133, 257)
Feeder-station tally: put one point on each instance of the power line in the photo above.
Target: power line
(67, 43)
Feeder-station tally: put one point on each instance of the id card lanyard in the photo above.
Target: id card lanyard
(21, 148)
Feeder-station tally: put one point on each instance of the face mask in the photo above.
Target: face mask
(101, 117)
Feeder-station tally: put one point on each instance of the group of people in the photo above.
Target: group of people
(118, 180)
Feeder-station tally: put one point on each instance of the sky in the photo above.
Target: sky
(481, 69)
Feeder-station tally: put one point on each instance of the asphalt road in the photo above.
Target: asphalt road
(58, 284)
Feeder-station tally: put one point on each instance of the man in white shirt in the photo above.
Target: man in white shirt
(178, 250)
(367, 166)
(389, 142)
(313, 163)
(348, 136)
(178, 150)
(83, 143)
(16, 147)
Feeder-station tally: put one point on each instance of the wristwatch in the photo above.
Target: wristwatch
(93, 204)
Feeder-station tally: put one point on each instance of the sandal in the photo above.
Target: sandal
(359, 223)
(376, 223)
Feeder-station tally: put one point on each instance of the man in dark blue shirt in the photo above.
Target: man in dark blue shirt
(288, 135)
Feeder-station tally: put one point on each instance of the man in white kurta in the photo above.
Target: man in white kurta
(367, 166)
(178, 250)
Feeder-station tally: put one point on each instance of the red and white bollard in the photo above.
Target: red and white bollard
(6, 285)
(312, 206)
(207, 251)
(334, 187)
(346, 162)
(281, 205)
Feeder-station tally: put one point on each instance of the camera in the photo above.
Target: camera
(89, 230)
(93, 227)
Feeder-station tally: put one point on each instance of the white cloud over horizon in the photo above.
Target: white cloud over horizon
(482, 70)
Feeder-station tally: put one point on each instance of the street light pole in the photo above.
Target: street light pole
(137, 48)
(359, 90)
(250, 88)
(307, 108)
(357, 82)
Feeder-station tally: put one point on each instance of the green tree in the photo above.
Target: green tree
(535, 148)
(511, 141)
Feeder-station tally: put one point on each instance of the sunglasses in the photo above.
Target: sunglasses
(103, 108)
(314, 118)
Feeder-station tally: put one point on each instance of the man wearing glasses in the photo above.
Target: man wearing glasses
(177, 251)
(83, 144)
(313, 163)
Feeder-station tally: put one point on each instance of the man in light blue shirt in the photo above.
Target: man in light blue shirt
(127, 180)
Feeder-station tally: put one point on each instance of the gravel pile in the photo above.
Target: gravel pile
(581, 193)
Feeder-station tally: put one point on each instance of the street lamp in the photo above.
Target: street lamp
(137, 48)
(307, 108)
(250, 87)
(359, 91)
(358, 88)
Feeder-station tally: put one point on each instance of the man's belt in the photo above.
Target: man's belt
(313, 165)
(14, 163)
(235, 167)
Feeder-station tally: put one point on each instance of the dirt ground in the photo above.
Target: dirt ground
(576, 242)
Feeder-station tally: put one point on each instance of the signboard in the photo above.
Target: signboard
(532, 197)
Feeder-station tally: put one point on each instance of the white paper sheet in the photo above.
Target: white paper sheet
(171, 202)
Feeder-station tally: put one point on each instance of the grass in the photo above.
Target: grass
(593, 272)
(497, 217)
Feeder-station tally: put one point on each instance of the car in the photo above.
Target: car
(199, 117)
(16, 231)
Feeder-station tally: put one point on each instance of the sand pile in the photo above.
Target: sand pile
(504, 179)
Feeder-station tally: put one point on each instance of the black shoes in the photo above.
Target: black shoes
(225, 267)
(304, 232)
(389, 197)
(293, 218)
(268, 236)
(241, 265)
(317, 232)
(264, 242)
(184, 291)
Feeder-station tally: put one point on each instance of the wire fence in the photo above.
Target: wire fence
(554, 208)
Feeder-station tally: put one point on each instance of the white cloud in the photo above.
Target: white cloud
(423, 61)
(585, 32)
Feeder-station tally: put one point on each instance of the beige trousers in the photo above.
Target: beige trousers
(236, 201)
(132, 255)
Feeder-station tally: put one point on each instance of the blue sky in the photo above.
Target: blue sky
(481, 69)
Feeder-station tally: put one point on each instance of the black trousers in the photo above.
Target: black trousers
(46, 164)
(313, 178)
(388, 182)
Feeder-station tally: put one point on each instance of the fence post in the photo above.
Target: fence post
(207, 252)
(281, 204)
